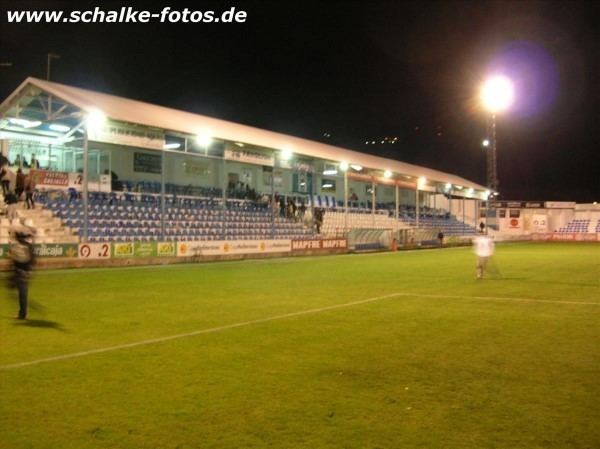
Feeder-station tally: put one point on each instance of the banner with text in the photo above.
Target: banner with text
(221, 248)
(319, 244)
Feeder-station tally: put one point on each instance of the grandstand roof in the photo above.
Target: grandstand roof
(138, 112)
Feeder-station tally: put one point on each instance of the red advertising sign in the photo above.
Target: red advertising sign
(319, 244)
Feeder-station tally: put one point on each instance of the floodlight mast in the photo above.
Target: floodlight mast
(497, 95)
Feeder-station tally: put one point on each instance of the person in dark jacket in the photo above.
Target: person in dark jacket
(21, 255)
(20, 184)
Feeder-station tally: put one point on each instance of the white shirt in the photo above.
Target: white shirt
(483, 246)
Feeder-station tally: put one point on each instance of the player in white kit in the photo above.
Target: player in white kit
(484, 249)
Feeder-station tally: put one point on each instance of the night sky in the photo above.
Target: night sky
(358, 71)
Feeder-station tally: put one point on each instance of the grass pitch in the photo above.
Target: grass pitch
(403, 350)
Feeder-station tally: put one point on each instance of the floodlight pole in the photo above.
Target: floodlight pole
(492, 168)
(50, 56)
(162, 194)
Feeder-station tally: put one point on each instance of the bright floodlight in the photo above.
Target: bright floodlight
(204, 140)
(387, 174)
(497, 94)
(95, 120)
(421, 182)
(286, 154)
(344, 165)
(485, 143)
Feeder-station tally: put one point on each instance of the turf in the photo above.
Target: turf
(437, 366)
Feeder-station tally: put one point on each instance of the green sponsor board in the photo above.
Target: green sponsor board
(4, 251)
(144, 249)
(56, 250)
(123, 249)
(165, 249)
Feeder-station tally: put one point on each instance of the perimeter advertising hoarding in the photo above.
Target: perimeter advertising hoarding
(143, 249)
(319, 244)
(565, 237)
(222, 248)
(55, 250)
(540, 223)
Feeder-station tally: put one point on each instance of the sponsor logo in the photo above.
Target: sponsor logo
(165, 248)
(123, 250)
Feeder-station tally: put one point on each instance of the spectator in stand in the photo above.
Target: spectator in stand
(281, 207)
(319, 212)
(10, 199)
(34, 162)
(29, 187)
(20, 184)
(481, 227)
(18, 160)
(301, 211)
(5, 179)
(441, 238)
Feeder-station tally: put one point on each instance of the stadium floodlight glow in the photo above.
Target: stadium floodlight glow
(95, 120)
(458, 187)
(356, 167)
(330, 172)
(387, 174)
(487, 194)
(327, 186)
(470, 191)
(448, 186)
(171, 146)
(204, 140)
(421, 182)
(344, 165)
(486, 142)
(497, 93)
(286, 154)
(24, 123)
(59, 128)
(239, 144)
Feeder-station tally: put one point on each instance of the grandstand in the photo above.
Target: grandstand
(159, 174)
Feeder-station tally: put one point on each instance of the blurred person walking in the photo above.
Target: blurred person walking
(21, 256)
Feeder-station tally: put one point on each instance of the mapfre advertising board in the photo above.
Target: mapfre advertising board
(319, 244)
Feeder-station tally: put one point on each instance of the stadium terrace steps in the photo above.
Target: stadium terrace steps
(124, 218)
(334, 222)
(46, 228)
(450, 225)
(578, 226)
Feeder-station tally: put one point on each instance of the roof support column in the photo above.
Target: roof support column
(224, 188)
(373, 201)
(85, 183)
(396, 211)
(273, 203)
(162, 194)
(346, 200)
(417, 205)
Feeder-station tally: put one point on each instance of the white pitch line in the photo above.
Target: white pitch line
(275, 318)
(191, 334)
